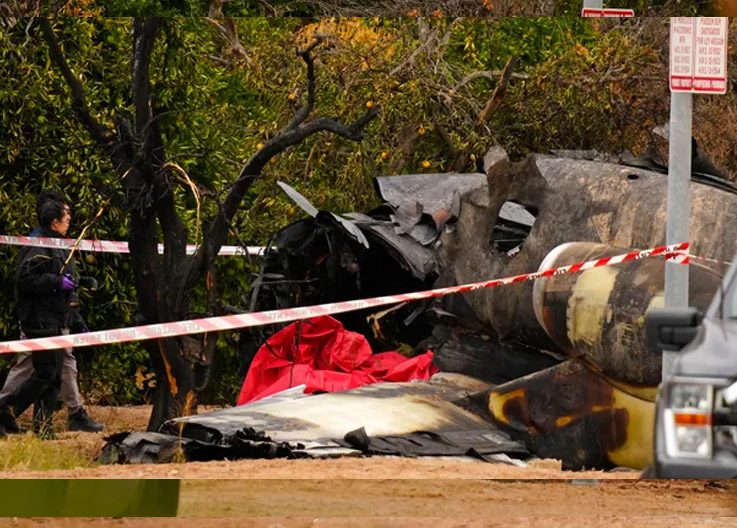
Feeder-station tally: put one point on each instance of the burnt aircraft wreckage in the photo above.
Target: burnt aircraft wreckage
(554, 368)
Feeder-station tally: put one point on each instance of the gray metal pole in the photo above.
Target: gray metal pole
(595, 4)
(679, 202)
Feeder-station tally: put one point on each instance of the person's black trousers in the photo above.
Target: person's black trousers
(42, 388)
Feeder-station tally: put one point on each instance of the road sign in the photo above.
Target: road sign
(592, 12)
(698, 54)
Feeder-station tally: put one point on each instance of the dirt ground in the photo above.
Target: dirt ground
(383, 491)
(135, 418)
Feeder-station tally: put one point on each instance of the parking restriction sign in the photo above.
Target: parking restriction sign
(698, 54)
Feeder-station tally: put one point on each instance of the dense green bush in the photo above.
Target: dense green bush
(368, 8)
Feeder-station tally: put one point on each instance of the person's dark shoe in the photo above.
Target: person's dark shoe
(3, 432)
(7, 421)
(81, 421)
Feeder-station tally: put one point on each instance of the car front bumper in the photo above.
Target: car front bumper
(722, 466)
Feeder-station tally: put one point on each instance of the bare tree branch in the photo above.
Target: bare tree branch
(294, 133)
(269, 7)
(226, 27)
(303, 112)
(12, 12)
(445, 136)
(354, 131)
(487, 74)
(501, 88)
(215, 9)
(144, 35)
(165, 286)
(79, 102)
(428, 39)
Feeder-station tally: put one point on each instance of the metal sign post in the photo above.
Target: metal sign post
(594, 4)
(698, 64)
(679, 203)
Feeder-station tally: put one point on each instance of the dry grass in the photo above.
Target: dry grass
(71, 450)
(26, 452)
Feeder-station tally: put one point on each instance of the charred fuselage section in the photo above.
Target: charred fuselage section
(572, 376)
(594, 410)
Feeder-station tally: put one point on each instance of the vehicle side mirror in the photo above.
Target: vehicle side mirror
(670, 329)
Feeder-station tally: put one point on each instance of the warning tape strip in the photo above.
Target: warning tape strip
(713, 261)
(676, 252)
(109, 246)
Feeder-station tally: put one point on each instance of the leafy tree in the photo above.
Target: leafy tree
(137, 148)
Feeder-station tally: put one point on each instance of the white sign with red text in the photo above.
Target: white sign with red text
(698, 54)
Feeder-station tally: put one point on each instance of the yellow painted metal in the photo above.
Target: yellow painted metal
(637, 450)
(497, 401)
(641, 392)
(588, 305)
(572, 398)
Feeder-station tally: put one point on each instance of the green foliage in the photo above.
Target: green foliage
(492, 42)
(193, 8)
(367, 8)
(610, 93)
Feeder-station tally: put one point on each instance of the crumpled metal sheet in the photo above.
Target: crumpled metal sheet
(149, 448)
(434, 191)
(421, 260)
(516, 213)
(420, 206)
(293, 425)
(311, 210)
(425, 203)
(405, 218)
(496, 154)
(152, 448)
(298, 199)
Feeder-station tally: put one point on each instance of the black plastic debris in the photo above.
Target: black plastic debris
(429, 443)
(153, 448)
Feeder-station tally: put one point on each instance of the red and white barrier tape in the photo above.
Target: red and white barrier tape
(109, 246)
(710, 260)
(675, 252)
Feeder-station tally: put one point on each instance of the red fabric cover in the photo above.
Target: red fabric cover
(325, 357)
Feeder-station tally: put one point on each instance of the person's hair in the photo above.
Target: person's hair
(49, 211)
(45, 196)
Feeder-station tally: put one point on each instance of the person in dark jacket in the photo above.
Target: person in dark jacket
(79, 419)
(44, 286)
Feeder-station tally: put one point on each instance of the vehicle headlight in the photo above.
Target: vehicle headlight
(688, 420)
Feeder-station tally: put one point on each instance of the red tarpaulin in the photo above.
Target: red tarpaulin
(325, 357)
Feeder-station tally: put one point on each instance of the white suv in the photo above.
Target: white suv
(696, 422)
